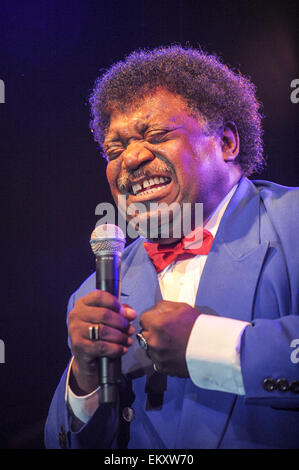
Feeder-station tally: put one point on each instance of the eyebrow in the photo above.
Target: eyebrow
(140, 126)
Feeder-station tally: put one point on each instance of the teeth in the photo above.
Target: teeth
(153, 190)
(148, 183)
(136, 187)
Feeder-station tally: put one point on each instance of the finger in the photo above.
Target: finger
(111, 335)
(144, 338)
(146, 319)
(100, 298)
(112, 350)
(129, 312)
(91, 314)
(96, 315)
(89, 350)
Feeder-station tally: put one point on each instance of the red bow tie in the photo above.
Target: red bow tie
(198, 242)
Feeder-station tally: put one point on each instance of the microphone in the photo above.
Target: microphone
(107, 242)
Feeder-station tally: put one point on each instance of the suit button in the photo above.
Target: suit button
(269, 384)
(282, 385)
(294, 386)
(128, 414)
(62, 438)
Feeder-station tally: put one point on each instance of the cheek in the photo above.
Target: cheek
(180, 156)
(112, 173)
(205, 148)
(208, 158)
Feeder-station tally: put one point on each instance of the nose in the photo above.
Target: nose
(135, 155)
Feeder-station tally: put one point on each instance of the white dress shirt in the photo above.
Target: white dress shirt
(213, 349)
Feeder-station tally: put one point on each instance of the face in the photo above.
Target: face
(159, 153)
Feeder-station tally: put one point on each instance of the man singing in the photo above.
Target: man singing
(216, 324)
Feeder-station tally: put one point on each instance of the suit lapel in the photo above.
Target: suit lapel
(232, 269)
(140, 289)
(139, 277)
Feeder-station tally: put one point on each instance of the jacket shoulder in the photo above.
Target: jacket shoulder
(278, 198)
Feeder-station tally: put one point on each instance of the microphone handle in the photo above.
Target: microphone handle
(108, 279)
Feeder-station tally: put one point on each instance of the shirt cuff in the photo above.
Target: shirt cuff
(83, 407)
(213, 353)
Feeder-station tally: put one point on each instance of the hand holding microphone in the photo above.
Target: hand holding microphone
(99, 326)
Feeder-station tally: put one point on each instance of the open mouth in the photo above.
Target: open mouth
(149, 185)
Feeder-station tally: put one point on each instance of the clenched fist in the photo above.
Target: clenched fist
(115, 331)
(166, 328)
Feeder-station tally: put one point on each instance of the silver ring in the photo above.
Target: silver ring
(141, 340)
(93, 332)
(155, 368)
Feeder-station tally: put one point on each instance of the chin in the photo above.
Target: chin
(164, 228)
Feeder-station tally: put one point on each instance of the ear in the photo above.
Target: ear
(230, 141)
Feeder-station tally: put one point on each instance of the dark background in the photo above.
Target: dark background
(52, 177)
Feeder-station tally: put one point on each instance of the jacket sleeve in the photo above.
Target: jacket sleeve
(101, 431)
(270, 362)
(270, 348)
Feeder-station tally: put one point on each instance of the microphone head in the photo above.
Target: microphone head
(107, 239)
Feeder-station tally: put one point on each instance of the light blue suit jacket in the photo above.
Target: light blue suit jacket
(251, 274)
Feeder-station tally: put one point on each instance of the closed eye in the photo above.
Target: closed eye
(158, 136)
(155, 136)
(113, 151)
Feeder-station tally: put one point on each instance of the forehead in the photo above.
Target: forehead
(161, 107)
